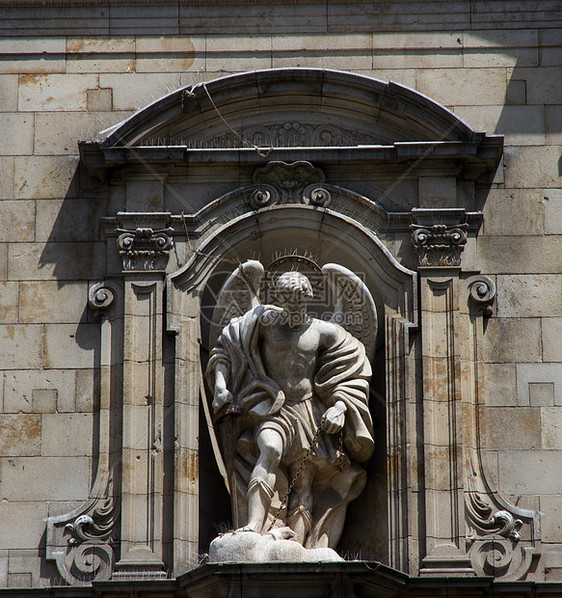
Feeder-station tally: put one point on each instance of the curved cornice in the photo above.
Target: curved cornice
(330, 115)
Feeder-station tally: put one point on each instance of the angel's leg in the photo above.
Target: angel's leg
(262, 481)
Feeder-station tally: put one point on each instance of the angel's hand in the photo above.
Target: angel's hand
(221, 398)
(334, 418)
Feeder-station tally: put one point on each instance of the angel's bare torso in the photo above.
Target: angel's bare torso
(290, 354)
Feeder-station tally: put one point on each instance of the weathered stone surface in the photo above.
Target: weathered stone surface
(45, 478)
(32, 55)
(529, 295)
(19, 387)
(530, 472)
(54, 92)
(551, 427)
(16, 133)
(512, 340)
(57, 133)
(513, 428)
(310, 51)
(67, 435)
(437, 192)
(541, 394)
(530, 373)
(33, 176)
(22, 346)
(132, 91)
(175, 53)
(7, 177)
(8, 93)
(506, 121)
(84, 391)
(3, 261)
(100, 100)
(551, 521)
(70, 345)
(528, 167)
(553, 211)
(542, 83)
(499, 385)
(553, 124)
(21, 216)
(514, 212)
(62, 261)
(551, 339)
(448, 86)
(502, 254)
(100, 55)
(44, 400)
(22, 523)
(21, 435)
(47, 301)
(8, 302)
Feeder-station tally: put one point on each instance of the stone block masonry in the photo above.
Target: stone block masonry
(67, 74)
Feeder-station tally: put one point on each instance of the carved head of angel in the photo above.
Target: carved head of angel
(293, 290)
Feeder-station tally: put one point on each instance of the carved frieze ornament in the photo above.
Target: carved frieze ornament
(282, 183)
(439, 244)
(286, 134)
(144, 248)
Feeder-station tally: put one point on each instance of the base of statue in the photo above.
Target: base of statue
(250, 547)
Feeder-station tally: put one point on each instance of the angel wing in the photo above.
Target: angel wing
(239, 294)
(354, 307)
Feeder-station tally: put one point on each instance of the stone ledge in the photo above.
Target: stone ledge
(268, 580)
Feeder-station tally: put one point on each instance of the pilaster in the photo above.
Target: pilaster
(144, 243)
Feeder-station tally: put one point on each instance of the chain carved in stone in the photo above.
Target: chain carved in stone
(144, 248)
(439, 244)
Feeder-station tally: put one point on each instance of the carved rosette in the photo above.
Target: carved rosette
(439, 244)
(144, 248)
(81, 542)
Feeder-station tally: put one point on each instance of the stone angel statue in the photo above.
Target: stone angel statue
(291, 401)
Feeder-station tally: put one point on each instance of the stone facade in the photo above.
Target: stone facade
(80, 363)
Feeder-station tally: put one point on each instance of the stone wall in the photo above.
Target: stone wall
(68, 73)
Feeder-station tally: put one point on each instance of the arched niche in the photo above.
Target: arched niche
(333, 163)
(336, 238)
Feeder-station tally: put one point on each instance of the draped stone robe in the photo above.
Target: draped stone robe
(342, 373)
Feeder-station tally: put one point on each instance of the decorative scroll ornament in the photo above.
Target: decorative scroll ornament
(282, 183)
(439, 244)
(482, 293)
(144, 248)
(494, 538)
(81, 542)
(100, 296)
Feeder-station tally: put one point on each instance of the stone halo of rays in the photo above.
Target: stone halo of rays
(295, 261)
